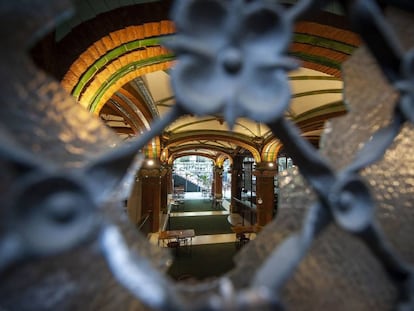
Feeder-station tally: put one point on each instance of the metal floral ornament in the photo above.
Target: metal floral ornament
(232, 59)
(406, 86)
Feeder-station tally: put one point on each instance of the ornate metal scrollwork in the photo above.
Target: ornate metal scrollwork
(232, 59)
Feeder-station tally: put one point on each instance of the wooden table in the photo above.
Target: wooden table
(178, 235)
(246, 229)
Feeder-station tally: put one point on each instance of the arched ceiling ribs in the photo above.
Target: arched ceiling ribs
(172, 159)
(255, 135)
(163, 102)
(149, 60)
(315, 119)
(139, 101)
(116, 59)
(335, 108)
(133, 105)
(224, 145)
(311, 59)
(319, 41)
(129, 111)
(190, 124)
(139, 85)
(323, 47)
(223, 157)
(316, 44)
(336, 37)
(110, 48)
(317, 92)
(195, 147)
(83, 72)
(108, 109)
(210, 135)
(123, 130)
(220, 120)
(310, 121)
(124, 112)
(316, 78)
(270, 150)
(94, 81)
(237, 139)
(212, 157)
(313, 125)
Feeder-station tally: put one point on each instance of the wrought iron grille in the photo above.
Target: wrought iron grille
(57, 181)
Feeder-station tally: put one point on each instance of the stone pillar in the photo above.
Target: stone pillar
(218, 182)
(265, 173)
(151, 194)
(236, 181)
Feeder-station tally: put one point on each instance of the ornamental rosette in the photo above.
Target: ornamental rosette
(406, 86)
(232, 59)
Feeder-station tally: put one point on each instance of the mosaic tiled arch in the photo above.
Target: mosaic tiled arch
(124, 54)
(130, 52)
(115, 60)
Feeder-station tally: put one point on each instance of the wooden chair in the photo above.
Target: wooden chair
(241, 239)
(174, 244)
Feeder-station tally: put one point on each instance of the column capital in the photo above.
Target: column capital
(218, 169)
(265, 169)
(154, 170)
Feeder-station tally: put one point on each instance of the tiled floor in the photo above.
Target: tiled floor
(207, 239)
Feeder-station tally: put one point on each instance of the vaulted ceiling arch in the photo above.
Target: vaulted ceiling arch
(271, 149)
(211, 135)
(186, 154)
(197, 146)
(213, 151)
(222, 158)
(127, 53)
(121, 44)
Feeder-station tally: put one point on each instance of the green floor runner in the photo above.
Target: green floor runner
(202, 225)
(203, 205)
(202, 261)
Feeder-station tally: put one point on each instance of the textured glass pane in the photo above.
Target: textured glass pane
(339, 272)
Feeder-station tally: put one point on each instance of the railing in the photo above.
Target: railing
(54, 190)
(247, 210)
(193, 179)
(143, 222)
